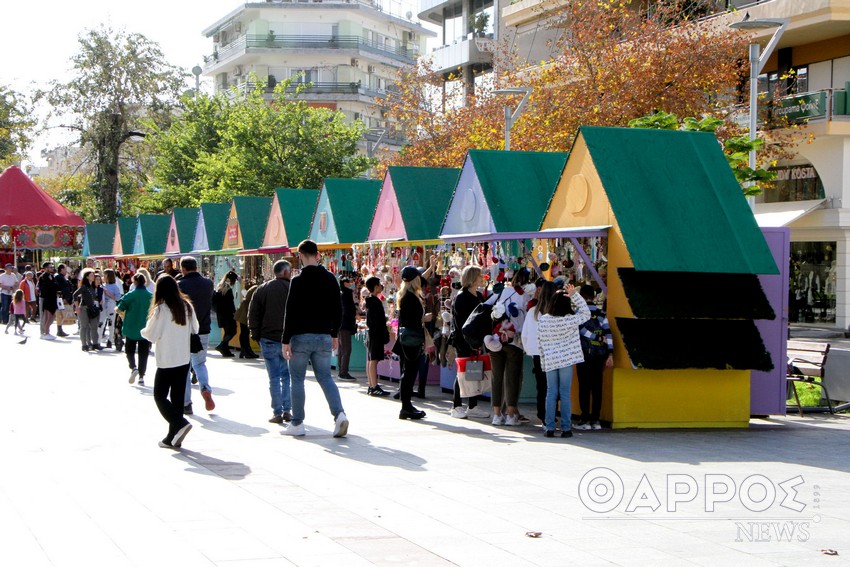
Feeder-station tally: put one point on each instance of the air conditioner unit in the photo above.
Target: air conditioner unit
(216, 38)
(354, 62)
(237, 71)
(237, 27)
(370, 69)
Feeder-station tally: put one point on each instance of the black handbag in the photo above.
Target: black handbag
(93, 312)
(195, 345)
(411, 337)
(478, 325)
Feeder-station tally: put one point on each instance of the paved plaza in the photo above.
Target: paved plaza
(83, 482)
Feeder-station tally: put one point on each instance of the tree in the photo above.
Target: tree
(613, 63)
(736, 147)
(15, 127)
(120, 80)
(216, 148)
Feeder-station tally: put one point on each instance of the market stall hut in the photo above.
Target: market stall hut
(289, 219)
(209, 232)
(125, 235)
(684, 252)
(151, 235)
(98, 240)
(181, 233)
(344, 212)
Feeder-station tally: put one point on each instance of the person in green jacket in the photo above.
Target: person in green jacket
(133, 308)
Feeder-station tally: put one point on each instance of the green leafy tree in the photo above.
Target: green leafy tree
(217, 148)
(120, 81)
(735, 147)
(15, 127)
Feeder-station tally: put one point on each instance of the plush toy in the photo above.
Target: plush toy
(493, 343)
(506, 331)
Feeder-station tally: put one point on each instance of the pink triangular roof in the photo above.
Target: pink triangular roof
(388, 224)
(172, 244)
(23, 203)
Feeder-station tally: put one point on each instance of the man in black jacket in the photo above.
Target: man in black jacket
(200, 291)
(346, 329)
(266, 313)
(313, 317)
(66, 292)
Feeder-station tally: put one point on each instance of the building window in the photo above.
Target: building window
(813, 279)
(795, 183)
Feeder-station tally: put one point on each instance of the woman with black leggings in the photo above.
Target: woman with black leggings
(171, 322)
(411, 315)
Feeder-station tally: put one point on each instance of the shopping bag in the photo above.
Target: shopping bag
(474, 375)
(60, 305)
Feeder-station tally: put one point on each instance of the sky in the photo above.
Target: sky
(39, 39)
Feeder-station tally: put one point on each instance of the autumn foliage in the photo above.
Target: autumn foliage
(614, 63)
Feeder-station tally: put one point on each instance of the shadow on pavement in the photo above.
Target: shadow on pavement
(203, 464)
(361, 449)
(222, 425)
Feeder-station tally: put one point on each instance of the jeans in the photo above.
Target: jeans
(167, 387)
(558, 384)
(316, 349)
(144, 350)
(343, 357)
(199, 365)
(590, 385)
(278, 369)
(5, 302)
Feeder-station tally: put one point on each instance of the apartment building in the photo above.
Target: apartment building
(350, 50)
(466, 39)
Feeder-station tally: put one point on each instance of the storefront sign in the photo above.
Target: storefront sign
(795, 183)
(232, 233)
(801, 107)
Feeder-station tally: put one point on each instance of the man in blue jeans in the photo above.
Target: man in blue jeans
(200, 291)
(313, 317)
(265, 319)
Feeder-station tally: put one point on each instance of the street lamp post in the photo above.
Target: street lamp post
(196, 70)
(758, 59)
(511, 117)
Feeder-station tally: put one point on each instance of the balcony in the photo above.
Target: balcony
(471, 51)
(316, 90)
(826, 111)
(355, 44)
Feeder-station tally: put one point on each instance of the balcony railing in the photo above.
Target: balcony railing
(829, 104)
(340, 42)
(315, 88)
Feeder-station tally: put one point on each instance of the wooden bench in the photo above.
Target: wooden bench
(806, 363)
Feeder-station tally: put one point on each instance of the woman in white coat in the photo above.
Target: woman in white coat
(170, 324)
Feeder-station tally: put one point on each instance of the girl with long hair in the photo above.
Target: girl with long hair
(112, 292)
(171, 322)
(86, 298)
(411, 315)
(559, 315)
(471, 280)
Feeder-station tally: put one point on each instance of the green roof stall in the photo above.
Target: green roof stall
(289, 219)
(98, 240)
(344, 212)
(209, 233)
(181, 233)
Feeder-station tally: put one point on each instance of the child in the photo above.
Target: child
(18, 308)
(598, 348)
(377, 335)
(559, 314)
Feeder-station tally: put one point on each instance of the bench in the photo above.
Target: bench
(806, 363)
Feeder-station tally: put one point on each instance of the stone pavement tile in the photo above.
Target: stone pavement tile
(224, 544)
(469, 551)
(640, 556)
(392, 551)
(274, 562)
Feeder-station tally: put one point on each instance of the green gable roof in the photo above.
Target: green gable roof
(127, 231)
(215, 223)
(98, 239)
(154, 232)
(518, 186)
(424, 195)
(353, 203)
(253, 215)
(297, 207)
(186, 220)
(677, 201)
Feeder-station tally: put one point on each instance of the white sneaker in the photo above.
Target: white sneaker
(48, 337)
(294, 430)
(133, 375)
(595, 425)
(512, 420)
(498, 420)
(459, 412)
(340, 425)
(582, 425)
(477, 411)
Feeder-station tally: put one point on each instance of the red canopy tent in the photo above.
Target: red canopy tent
(30, 219)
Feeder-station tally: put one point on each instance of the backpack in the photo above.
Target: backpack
(595, 346)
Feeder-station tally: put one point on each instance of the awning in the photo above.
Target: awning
(783, 214)
(581, 231)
